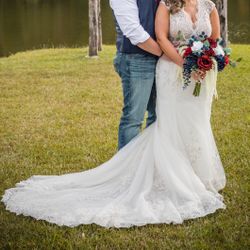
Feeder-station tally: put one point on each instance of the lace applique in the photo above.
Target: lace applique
(180, 22)
(209, 5)
(193, 149)
(165, 3)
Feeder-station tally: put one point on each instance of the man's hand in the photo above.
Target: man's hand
(151, 46)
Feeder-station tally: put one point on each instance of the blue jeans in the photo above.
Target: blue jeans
(137, 73)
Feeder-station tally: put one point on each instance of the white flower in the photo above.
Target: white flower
(197, 46)
(219, 51)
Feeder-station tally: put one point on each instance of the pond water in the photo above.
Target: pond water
(30, 24)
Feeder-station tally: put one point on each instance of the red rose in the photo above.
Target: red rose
(226, 60)
(205, 63)
(188, 51)
(212, 42)
(210, 52)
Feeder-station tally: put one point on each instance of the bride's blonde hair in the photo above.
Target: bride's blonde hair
(175, 5)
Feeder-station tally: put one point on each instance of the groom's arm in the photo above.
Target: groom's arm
(127, 17)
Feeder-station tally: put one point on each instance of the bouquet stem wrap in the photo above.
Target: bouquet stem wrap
(197, 88)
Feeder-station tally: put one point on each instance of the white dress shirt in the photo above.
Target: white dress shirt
(127, 17)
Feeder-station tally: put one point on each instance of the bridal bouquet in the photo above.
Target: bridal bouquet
(203, 54)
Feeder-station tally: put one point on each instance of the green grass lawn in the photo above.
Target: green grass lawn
(59, 113)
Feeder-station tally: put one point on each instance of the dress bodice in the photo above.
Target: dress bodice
(182, 22)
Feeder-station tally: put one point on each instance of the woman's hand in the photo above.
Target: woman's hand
(180, 62)
(198, 75)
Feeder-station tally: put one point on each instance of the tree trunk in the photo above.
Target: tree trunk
(93, 28)
(99, 26)
(222, 9)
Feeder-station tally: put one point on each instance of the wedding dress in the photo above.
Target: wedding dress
(169, 173)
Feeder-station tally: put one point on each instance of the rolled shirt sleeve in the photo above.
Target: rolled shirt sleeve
(127, 16)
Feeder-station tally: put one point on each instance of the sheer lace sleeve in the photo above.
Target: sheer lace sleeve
(209, 6)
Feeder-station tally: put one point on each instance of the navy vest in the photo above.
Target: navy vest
(147, 11)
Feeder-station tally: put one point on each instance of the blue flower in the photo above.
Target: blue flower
(221, 62)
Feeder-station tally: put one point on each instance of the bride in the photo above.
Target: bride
(169, 173)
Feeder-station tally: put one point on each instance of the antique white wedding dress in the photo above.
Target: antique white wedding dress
(169, 173)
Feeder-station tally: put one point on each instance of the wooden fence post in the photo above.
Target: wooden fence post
(93, 28)
(222, 10)
(99, 26)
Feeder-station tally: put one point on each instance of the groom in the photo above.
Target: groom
(135, 62)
